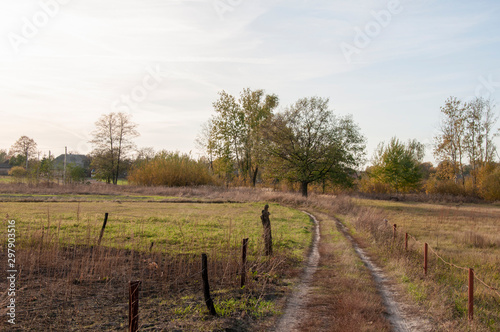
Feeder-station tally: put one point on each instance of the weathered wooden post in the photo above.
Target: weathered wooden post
(394, 232)
(406, 241)
(244, 262)
(206, 286)
(425, 258)
(266, 223)
(102, 229)
(133, 306)
(471, 295)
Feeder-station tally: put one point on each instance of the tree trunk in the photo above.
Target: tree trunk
(254, 176)
(303, 188)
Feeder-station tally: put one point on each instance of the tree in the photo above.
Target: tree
(232, 135)
(3, 156)
(24, 146)
(450, 143)
(308, 143)
(112, 143)
(467, 136)
(398, 164)
(479, 135)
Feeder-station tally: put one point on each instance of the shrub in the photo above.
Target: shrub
(443, 187)
(18, 172)
(490, 186)
(171, 169)
(371, 185)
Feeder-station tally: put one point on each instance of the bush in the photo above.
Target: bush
(490, 186)
(18, 172)
(370, 185)
(171, 169)
(444, 187)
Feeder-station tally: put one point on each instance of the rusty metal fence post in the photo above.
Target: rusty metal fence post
(133, 306)
(471, 295)
(425, 258)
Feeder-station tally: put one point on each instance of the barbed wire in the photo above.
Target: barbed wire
(493, 289)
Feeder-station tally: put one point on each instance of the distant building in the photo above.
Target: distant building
(75, 159)
(5, 168)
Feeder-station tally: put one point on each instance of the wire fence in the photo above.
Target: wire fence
(471, 273)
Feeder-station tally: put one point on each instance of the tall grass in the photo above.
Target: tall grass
(66, 280)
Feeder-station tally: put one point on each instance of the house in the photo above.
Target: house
(5, 168)
(74, 159)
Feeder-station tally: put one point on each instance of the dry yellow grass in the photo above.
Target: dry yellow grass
(467, 235)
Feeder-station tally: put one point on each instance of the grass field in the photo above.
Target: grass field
(465, 235)
(65, 280)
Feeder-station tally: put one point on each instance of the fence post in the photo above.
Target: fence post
(425, 258)
(244, 261)
(133, 306)
(394, 232)
(266, 223)
(206, 286)
(406, 241)
(471, 295)
(102, 229)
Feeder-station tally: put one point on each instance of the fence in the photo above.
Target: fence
(78, 266)
(471, 275)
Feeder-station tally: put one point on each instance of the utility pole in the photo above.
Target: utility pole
(64, 171)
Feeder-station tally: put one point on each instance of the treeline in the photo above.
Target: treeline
(464, 148)
(247, 142)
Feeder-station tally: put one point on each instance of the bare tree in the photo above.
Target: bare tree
(24, 146)
(112, 142)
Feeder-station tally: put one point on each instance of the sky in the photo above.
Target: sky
(391, 64)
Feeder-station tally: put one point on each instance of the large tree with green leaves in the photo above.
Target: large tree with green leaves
(232, 137)
(307, 143)
(398, 164)
(112, 140)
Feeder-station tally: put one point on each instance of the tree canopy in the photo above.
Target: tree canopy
(25, 147)
(112, 140)
(398, 164)
(307, 143)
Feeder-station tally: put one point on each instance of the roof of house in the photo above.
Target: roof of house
(78, 159)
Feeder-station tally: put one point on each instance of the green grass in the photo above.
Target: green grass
(174, 228)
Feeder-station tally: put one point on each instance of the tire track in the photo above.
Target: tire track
(290, 319)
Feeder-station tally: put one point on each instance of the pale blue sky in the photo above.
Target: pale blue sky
(82, 57)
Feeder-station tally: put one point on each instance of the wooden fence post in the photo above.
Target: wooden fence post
(394, 232)
(406, 241)
(266, 223)
(102, 229)
(244, 262)
(471, 295)
(133, 306)
(425, 258)
(206, 286)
